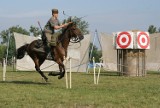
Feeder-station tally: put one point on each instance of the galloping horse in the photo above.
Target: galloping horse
(70, 34)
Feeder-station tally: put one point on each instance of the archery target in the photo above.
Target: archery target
(124, 40)
(143, 40)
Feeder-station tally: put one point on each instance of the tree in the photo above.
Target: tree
(81, 24)
(152, 29)
(2, 52)
(97, 54)
(35, 31)
(7, 36)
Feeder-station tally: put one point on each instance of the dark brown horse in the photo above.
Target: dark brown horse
(70, 33)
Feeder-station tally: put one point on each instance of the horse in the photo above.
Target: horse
(59, 53)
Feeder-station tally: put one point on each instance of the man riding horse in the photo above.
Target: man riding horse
(49, 31)
(52, 42)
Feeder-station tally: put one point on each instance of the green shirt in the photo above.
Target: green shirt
(49, 27)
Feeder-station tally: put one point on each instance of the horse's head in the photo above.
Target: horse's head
(75, 33)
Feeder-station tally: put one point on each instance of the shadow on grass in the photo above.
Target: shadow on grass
(105, 73)
(26, 82)
(153, 72)
(115, 73)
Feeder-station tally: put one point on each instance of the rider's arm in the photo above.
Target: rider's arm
(56, 27)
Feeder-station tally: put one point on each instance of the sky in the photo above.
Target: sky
(106, 16)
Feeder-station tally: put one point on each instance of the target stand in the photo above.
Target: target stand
(131, 62)
(131, 54)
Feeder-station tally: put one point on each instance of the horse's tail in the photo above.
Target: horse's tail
(21, 51)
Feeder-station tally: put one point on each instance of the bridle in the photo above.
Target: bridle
(75, 39)
(72, 39)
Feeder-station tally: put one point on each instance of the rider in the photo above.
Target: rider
(49, 29)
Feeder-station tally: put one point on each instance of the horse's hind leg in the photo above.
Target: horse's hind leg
(41, 73)
(37, 66)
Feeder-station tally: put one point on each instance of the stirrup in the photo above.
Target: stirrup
(49, 56)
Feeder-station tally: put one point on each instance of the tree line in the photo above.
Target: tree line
(152, 29)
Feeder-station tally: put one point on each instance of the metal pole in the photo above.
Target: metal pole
(4, 70)
(70, 79)
(7, 48)
(66, 76)
(99, 71)
(94, 70)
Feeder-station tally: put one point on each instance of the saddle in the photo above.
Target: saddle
(43, 48)
(41, 45)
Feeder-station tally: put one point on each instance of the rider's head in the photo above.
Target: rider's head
(54, 11)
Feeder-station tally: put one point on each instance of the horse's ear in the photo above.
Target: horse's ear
(69, 19)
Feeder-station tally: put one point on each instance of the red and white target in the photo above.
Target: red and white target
(124, 40)
(143, 40)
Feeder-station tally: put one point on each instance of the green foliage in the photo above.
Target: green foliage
(81, 24)
(35, 31)
(5, 34)
(152, 29)
(94, 52)
(8, 35)
(2, 52)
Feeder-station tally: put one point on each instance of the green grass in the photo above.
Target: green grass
(28, 90)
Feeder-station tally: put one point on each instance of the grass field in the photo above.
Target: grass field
(28, 90)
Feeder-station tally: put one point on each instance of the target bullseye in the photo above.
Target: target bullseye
(124, 40)
(143, 40)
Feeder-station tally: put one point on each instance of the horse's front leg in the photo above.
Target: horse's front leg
(62, 70)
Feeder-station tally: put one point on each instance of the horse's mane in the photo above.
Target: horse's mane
(63, 32)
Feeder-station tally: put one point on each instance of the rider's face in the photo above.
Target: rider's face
(56, 15)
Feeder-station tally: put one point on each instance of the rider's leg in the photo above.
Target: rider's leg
(41, 49)
(52, 45)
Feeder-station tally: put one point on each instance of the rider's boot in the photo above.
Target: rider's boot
(50, 57)
(53, 52)
(53, 44)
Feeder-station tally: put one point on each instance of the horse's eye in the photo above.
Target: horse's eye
(74, 29)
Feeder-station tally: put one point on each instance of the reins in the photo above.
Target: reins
(75, 39)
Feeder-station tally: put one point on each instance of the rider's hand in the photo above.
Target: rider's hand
(68, 23)
(64, 25)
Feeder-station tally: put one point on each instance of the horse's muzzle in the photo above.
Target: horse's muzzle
(81, 37)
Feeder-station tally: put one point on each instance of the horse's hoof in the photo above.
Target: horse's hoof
(53, 73)
(46, 79)
(60, 77)
(50, 74)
